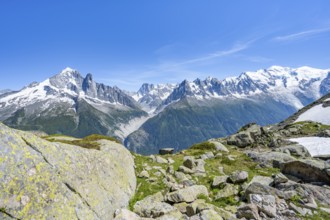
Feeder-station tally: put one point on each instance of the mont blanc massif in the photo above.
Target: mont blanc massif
(165, 115)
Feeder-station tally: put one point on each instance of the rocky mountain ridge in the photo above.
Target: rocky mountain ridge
(68, 103)
(309, 83)
(151, 96)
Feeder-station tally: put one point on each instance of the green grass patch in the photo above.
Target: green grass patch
(206, 146)
(144, 186)
(321, 215)
(96, 137)
(241, 162)
(88, 142)
(55, 135)
(223, 202)
(296, 200)
(308, 127)
(80, 143)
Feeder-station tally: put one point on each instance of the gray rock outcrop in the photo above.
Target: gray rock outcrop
(153, 206)
(296, 150)
(238, 176)
(41, 179)
(247, 136)
(307, 170)
(188, 194)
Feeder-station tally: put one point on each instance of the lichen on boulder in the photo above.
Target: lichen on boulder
(41, 179)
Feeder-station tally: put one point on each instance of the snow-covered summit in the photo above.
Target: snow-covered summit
(64, 87)
(67, 71)
(295, 86)
(150, 96)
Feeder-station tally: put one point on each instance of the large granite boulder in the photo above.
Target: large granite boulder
(258, 188)
(219, 146)
(188, 194)
(153, 206)
(246, 136)
(45, 180)
(227, 191)
(296, 150)
(270, 159)
(307, 170)
(238, 176)
(241, 139)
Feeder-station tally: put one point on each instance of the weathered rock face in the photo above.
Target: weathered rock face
(307, 170)
(242, 139)
(188, 194)
(219, 146)
(296, 150)
(40, 179)
(325, 133)
(246, 137)
(239, 176)
(153, 206)
(270, 158)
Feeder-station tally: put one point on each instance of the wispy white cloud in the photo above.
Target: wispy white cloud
(257, 59)
(235, 49)
(302, 34)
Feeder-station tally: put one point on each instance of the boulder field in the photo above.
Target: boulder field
(257, 173)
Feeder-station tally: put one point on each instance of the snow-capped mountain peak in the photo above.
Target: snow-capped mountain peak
(67, 71)
(297, 86)
(65, 87)
(150, 96)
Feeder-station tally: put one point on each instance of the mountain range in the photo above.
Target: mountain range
(167, 115)
(70, 104)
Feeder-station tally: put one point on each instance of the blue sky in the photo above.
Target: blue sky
(126, 43)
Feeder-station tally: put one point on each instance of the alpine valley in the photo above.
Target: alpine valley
(159, 116)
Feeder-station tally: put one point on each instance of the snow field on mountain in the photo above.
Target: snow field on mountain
(315, 145)
(318, 114)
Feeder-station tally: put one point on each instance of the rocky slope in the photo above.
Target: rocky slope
(52, 180)
(257, 173)
(244, 176)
